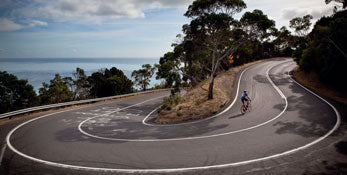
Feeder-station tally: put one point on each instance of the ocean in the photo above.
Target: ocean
(39, 70)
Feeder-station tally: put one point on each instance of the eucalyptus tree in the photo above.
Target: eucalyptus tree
(142, 76)
(212, 22)
(259, 29)
(301, 25)
(56, 91)
(15, 94)
(326, 52)
(168, 69)
(283, 42)
(257, 25)
(81, 84)
(108, 82)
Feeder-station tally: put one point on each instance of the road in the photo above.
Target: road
(286, 121)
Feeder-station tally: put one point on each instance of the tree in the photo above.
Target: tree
(168, 68)
(257, 25)
(56, 92)
(259, 28)
(109, 83)
(117, 82)
(212, 21)
(283, 42)
(142, 76)
(15, 94)
(301, 25)
(81, 85)
(97, 82)
(326, 52)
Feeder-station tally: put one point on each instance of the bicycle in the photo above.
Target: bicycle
(246, 108)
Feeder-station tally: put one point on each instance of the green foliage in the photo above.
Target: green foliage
(171, 101)
(168, 69)
(257, 24)
(210, 29)
(56, 92)
(81, 85)
(142, 76)
(301, 25)
(15, 94)
(97, 83)
(213, 34)
(283, 42)
(202, 7)
(109, 83)
(326, 50)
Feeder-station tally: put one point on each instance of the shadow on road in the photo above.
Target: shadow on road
(307, 115)
(235, 116)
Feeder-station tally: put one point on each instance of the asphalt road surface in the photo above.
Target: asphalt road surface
(286, 121)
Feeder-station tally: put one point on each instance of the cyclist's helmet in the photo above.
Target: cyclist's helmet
(245, 91)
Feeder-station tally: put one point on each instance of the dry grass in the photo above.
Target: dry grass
(194, 104)
(311, 81)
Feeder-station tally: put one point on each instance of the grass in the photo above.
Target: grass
(194, 105)
(169, 102)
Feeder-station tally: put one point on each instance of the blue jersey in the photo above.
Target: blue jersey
(244, 95)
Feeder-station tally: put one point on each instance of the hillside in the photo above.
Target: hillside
(311, 80)
(194, 104)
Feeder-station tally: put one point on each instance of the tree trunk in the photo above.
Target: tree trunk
(210, 88)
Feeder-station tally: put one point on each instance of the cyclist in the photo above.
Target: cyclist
(244, 97)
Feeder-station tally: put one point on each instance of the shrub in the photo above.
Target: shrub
(171, 101)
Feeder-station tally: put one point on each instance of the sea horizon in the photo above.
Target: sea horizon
(39, 70)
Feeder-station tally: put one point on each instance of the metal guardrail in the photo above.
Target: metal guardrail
(45, 107)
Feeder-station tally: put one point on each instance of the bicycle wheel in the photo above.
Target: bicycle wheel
(249, 108)
(243, 110)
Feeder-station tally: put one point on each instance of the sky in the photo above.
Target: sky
(114, 28)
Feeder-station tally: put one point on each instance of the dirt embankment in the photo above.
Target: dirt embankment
(311, 80)
(194, 104)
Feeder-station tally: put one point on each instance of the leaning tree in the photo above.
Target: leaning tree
(212, 21)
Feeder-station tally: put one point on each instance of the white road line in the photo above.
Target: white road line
(174, 169)
(208, 136)
(209, 118)
(91, 135)
(338, 120)
(198, 121)
(2, 153)
(144, 120)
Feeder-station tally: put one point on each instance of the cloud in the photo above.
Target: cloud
(318, 12)
(34, 23)
(164, 3)
(290, 13)
(107, 8)
(8, 25)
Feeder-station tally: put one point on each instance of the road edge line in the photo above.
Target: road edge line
(192, 168)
